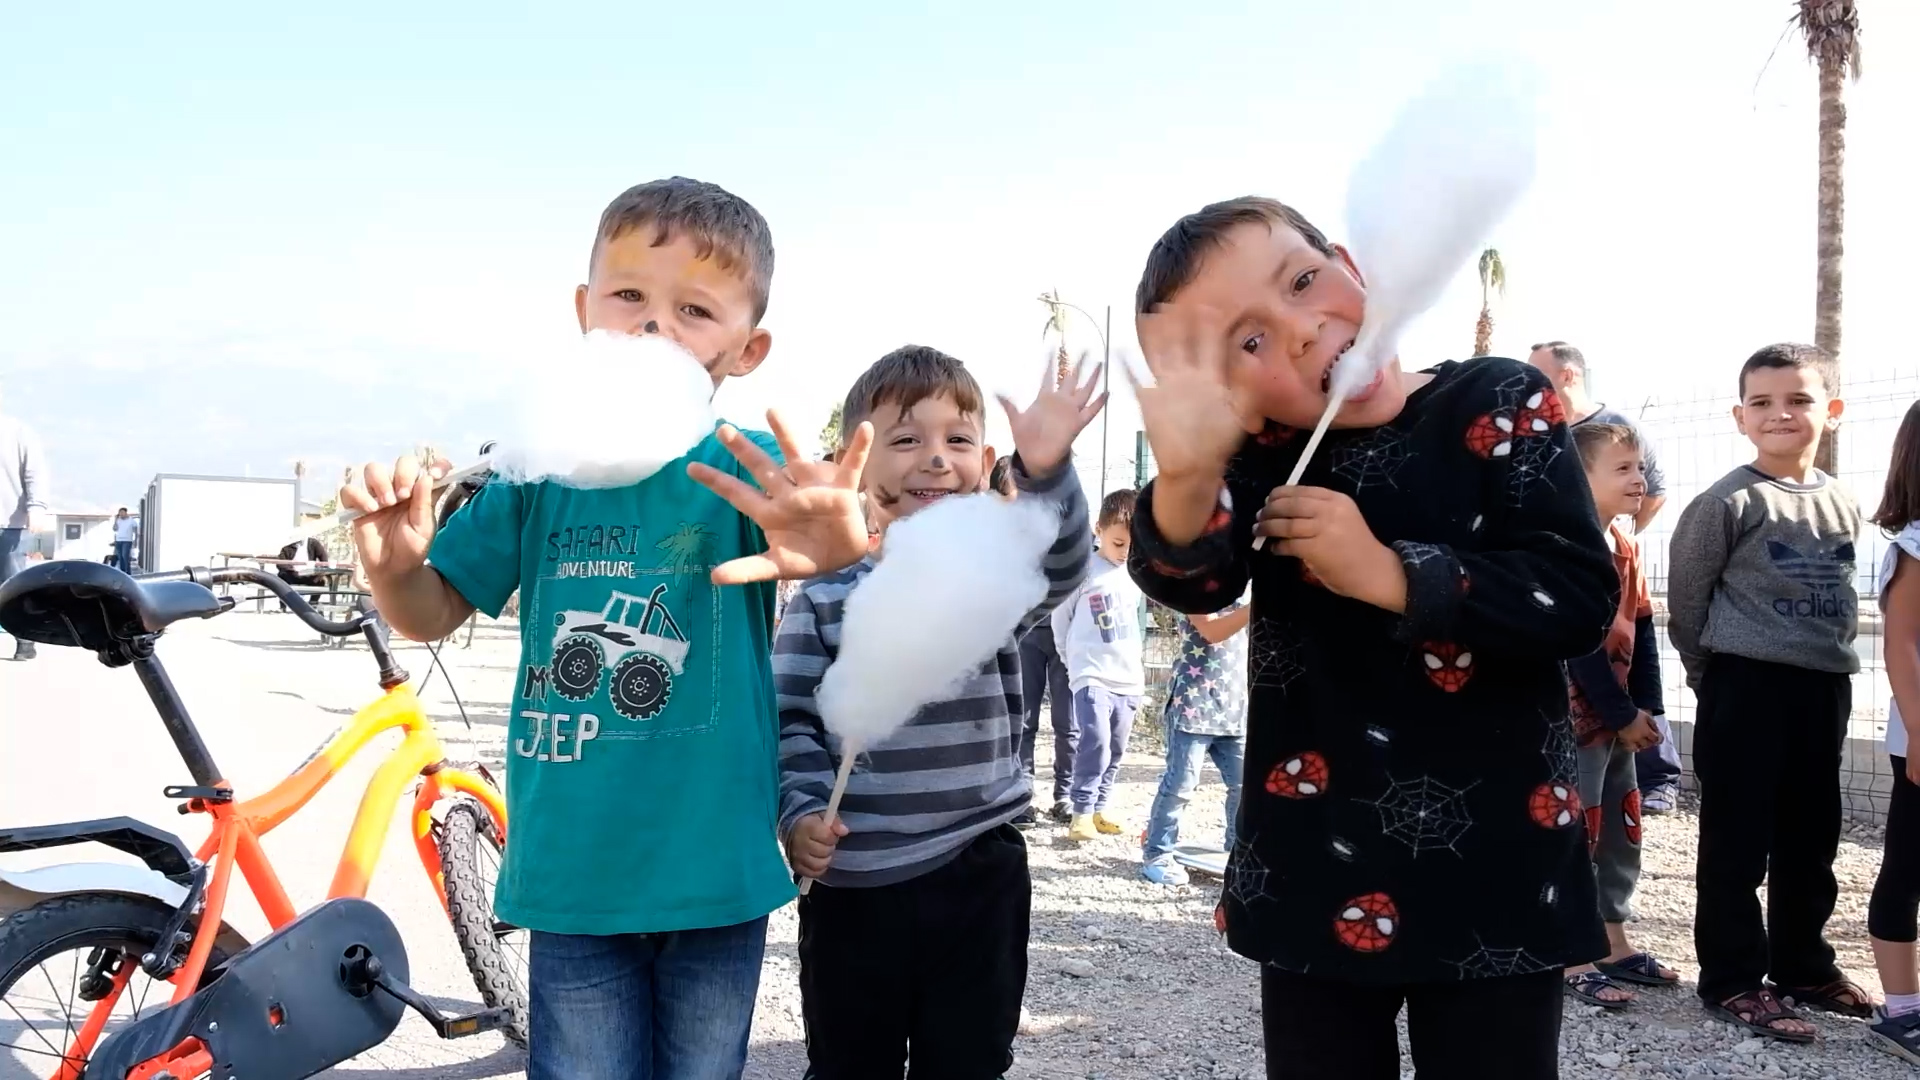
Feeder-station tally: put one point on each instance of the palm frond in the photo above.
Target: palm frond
(1831, 29)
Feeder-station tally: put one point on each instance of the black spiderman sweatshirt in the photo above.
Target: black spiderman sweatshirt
(1411, 812)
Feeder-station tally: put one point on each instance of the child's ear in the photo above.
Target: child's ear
(758, 344)
(1835, 406)
(1345, 258)
(580, 306)
(1739, 420)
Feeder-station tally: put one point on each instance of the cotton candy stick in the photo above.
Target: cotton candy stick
(347, 517)
(1456, 160)
(848, 753)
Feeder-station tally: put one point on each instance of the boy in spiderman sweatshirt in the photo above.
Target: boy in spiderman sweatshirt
(1411, 832)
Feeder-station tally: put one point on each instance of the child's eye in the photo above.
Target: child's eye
(1252, 344)
(696, 311)
(904, 440)
(1305, 279)
(960, 440)
(631, 296)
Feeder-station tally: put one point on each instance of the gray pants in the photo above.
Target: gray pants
(1611, 794)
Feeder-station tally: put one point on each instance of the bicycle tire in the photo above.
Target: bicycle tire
(85, 920)
(470, 903)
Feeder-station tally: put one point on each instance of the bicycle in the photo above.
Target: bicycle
(325, 984)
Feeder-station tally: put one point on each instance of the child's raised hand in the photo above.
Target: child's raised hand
(396, 504)
(809, 511)
(1324, 530)
(811, 842)
(1192, 422)
(1044, 431)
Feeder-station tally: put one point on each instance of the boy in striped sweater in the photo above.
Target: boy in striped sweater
(914, 939)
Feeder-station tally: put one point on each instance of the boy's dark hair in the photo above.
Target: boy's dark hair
(1176, 255)
(1116, 509)
(1592, 438)
(721, 225)
(1000, 477)
(1900, 499)
(906, 377)
(1789, 354)
(1563, 354)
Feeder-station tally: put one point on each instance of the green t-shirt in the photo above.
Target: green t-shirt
(643, 745)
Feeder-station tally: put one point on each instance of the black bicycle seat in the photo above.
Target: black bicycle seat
(94, 606)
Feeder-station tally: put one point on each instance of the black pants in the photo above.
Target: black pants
(1044, 674)
(1766, 750)
(1891, 914)
(937, 964)
(1477, 1029)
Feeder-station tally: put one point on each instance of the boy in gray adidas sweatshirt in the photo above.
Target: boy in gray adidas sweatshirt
(1761, 607)
(914, 940)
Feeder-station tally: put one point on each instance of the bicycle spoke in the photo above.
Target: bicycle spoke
(42, 1053)
(64, 1006)
(73, 995)
(36, 1031)
(145, 988)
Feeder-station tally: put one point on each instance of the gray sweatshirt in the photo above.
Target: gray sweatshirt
(1764, 568)
(23, 474)
(953, 772)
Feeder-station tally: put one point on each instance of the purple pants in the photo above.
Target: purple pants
(1103, 721)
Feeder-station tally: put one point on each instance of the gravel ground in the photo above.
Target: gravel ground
(1129, 980)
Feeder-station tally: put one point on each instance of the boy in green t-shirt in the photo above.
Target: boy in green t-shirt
(642, 782)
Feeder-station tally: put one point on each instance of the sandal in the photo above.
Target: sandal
(1588, 985)
(1757, 1011)
(1640, 968)
(1842, 996)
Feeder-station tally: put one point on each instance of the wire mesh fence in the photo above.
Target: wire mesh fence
(1693, 434)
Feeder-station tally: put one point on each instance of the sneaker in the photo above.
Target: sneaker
(25, 650)
(1107, 826)
(1062, 812)
(1082, 829)
(1897, 1035)
(1659, 800)
(1025, 820)
(1164, 871)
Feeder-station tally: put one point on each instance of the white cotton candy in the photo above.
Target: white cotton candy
(952, 585)
(1422, 204)
(606, 411)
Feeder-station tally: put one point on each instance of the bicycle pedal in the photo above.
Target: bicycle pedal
(459, 1027)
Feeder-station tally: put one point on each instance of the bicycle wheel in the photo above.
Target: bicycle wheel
(496, 952)
(58, 959)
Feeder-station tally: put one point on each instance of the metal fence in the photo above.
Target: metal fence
(1693, 433)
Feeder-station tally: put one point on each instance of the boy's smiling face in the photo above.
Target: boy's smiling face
(1288, 311)
(1113, 543)
(1618, 480)
(1784, 411)
(637, 288)
(922, 454)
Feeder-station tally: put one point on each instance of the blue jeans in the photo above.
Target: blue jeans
(123, 555)
(1185, 752)
(672, 1006)
(1659, 766)
(1104, 721)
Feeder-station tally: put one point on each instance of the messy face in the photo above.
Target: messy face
(1617, 476)
(1783, 412)
(921, 454)
(1287, 312)
(637, 288)
(1112, 543)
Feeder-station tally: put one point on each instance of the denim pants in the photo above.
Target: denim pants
(1185, 753)
(1105, 720)
(670, 1006)
(123, 556)
(1659, 766)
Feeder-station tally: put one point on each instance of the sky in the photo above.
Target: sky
(231, 236)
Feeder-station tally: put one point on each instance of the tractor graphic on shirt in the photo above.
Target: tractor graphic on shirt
(637, 638)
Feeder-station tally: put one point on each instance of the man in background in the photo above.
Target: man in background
(125, 529)
(23, 500)
(1657, 767)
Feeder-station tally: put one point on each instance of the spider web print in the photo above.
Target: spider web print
(1485, 963)
(1529, 466)
(1273, 656)
(1246, 875)
(1424, 814)
(1560, 750)
(1372, 461)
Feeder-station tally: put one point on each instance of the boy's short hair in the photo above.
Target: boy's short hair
(1176, 256)
(906, 377)
(1000, 477)
(1794, 355)
(721, 225)
(1563, 354)
(1591, 438)
(1116, 509)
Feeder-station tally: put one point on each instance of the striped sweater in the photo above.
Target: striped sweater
(953, 772)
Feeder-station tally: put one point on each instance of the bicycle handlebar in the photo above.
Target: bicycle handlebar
(295, 602)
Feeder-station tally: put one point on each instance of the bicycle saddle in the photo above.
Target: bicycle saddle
(94, 606)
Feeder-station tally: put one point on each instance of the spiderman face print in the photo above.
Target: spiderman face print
(1554, 806)
(1302, 776)
(1367, 924)
(1448, 665)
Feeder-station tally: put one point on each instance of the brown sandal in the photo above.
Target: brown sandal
(1842, 996)
(1757, 1011)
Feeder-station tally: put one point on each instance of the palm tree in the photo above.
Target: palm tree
(830, 434)
(1057, 324)
(1493, 279)
(689, 552)
(299, 481)
(1831, 29)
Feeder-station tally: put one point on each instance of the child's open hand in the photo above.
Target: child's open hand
(1640, 734)
(1324, 530)
(1044, 431)
(396, 504)
(1192, 422)
(808, 510)
(811, 842)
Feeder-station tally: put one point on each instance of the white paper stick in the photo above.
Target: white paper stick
(833, 801)
(1313, 443)
(344, 517)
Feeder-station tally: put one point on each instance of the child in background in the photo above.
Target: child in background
(1206, 716)
(1615, 694)
(1891, 913)
(913, 941)
(1761, 608)
(1098, 632)
(1410, 836)
(645, 947)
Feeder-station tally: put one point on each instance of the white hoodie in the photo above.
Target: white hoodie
(1097, 631)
